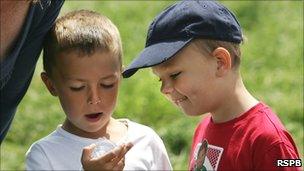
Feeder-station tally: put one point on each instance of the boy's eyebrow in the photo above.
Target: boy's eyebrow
(84, 80)
(109, 76)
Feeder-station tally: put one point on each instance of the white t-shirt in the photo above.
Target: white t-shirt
(62, 150)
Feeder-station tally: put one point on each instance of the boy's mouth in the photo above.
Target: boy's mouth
(179, 100)
(93, 116)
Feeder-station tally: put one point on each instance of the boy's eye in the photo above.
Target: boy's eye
(173, 76)
(76, 88)
(107, 86)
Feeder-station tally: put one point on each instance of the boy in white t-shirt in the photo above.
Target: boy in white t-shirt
(83, 65)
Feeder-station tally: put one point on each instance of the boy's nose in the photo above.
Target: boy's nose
(166, 88)
(94, 102)
(94, 97)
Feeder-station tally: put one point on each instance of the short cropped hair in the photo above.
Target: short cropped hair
(207, 46)
(82, 31)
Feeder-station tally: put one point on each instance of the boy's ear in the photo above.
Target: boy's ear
(223, 59)
(48, 83)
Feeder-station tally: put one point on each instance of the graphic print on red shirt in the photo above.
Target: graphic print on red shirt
(208, 161)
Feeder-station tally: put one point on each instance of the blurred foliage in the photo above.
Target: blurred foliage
(272, 69)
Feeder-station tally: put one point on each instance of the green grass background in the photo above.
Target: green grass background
(272, 69)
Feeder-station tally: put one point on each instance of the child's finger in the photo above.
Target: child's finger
(119, 158)
(121, 152)
(126, 148)
(118, 150)
(129, 146)
(86, 153)
(120, 165)
(111, 154)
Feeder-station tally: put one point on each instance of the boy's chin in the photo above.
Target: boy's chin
(190, 112)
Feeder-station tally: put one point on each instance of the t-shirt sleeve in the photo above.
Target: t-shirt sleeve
(160, 159)
(36, 159)
(280, 150)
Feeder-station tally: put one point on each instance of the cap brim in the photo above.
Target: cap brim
(154, 55)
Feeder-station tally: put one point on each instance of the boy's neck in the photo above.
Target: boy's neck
(236, 103)
(113, 131)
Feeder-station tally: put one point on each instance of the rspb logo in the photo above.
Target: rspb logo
(289, 163)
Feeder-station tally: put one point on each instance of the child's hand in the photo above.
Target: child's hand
(113, 160)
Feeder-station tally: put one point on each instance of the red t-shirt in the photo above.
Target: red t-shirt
(253, 141)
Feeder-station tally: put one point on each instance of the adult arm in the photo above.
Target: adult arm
(17, 69)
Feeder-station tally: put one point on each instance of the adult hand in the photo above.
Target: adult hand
(113, 160)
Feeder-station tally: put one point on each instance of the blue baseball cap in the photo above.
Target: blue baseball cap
(180, 23)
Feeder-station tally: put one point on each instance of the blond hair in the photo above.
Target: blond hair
(82, 31)
(207, 46)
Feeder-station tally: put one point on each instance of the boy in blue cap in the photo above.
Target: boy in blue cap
(193, 47)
